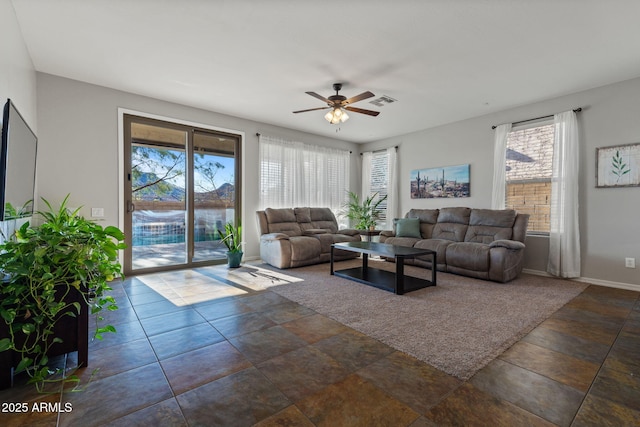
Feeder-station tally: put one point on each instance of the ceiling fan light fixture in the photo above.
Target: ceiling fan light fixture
(337, 115)
(337, 104)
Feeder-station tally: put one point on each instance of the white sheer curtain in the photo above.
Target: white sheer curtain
(499, 166)
(564, 236)
(392, 186)
(365, 188)
(294, 174)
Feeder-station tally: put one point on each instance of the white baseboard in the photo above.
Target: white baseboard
(600, 282)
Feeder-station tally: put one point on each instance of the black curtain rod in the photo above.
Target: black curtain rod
(575, 110)
(258, 135)
(382, 149)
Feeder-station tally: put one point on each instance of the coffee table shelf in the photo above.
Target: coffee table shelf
(394, 282)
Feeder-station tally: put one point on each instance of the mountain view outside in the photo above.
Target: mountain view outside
(159, 223)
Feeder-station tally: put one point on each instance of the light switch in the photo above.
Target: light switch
(97, 212)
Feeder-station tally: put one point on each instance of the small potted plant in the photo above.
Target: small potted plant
(57, 275)
(363, 214)
(231, 237)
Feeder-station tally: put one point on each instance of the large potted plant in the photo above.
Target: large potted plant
(13, 218)
(363, 214)
(231, 237)
(57, 275)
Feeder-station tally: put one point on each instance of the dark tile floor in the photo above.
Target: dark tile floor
(194, 350)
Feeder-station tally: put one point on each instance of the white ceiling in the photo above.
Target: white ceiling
(443, 60)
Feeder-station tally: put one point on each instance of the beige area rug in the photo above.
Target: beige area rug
(458, 326)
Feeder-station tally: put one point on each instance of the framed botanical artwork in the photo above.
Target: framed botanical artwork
(618, 166)
(445, 181)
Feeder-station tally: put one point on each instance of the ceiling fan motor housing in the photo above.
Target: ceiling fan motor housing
(336, 99)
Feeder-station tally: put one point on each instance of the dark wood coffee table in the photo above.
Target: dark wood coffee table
(398, 282)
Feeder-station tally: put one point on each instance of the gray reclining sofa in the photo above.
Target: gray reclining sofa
(301, 236)
(482, 243)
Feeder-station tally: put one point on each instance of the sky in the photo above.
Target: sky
(459, 173)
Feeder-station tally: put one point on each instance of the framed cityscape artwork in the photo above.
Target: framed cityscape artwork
(618, 166)
(440, 182)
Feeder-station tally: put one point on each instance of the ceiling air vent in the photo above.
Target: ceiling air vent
(382, 101)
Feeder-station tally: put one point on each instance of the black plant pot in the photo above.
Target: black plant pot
(73, 331)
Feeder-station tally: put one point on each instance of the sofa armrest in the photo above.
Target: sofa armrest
(349, 232)
(274, 236)
(314, 231)
(385, 234)
(509, 244)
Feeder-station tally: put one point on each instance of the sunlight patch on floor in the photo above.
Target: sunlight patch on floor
(257, 278)
(186, 287)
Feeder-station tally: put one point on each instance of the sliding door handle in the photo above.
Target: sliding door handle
(130, 206)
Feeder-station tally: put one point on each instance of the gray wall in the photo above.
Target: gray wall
(17, 80)
(78, 146)
(17, 74)
(608, 217)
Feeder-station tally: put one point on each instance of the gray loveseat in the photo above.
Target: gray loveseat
(482, 243)
(301, 236)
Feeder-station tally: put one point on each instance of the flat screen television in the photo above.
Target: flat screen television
(17, 165)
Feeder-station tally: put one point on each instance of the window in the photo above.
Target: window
(294, 174)
(529, 159)
(182, 185)
(380, 182)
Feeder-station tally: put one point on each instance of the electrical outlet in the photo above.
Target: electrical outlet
(630, 262)
(97, 212)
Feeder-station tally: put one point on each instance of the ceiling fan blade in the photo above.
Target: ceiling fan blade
(362, 111)
(320, 97)
(311, 109)
(357, 98)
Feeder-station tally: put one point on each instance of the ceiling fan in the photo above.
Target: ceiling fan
(339, 103)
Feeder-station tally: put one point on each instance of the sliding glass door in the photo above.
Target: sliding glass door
(181, 188)
(214, 191)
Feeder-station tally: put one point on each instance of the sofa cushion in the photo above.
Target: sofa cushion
(428, 219)
(449, 231)
(452, 224)
(486, 225)
(468, 255)
(407, 227)
(491, 217)
(323, 218)
(304, 248)
(486, 235)
(302, 214)
(455, 215)
(402, 241)
(280, 215)
(326, 240)
(282, 221)
(437, 245)
(520, 227)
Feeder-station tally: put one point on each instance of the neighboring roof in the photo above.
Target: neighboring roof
(530, 153)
